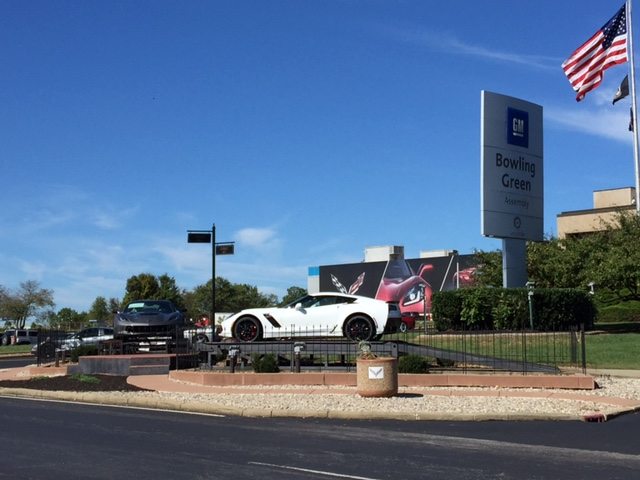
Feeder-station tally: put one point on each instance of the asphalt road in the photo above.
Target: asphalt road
(43, 439)
(16, 362)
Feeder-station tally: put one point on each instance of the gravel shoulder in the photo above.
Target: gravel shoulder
(615, 396)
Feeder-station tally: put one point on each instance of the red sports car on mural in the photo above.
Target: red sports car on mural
(465, 278)
(412, 292)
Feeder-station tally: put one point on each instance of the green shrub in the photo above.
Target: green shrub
(508, 309)
(445, 310)
(561, 308)
(477, 307)
(83, 351)
(511, 311)
(84, 378)
(621, 312)
(413, 364)
(264, 363)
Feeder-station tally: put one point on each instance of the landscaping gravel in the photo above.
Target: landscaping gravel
(420, 402)
(343, 402)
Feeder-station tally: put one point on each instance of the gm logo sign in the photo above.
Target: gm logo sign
(517, 127)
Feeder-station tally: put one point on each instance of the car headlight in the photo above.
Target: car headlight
(414, 295)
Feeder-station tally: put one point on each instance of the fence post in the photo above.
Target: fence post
(298, 347)
(584, 349)
(574, 345)
(233, 353)
(524, 351)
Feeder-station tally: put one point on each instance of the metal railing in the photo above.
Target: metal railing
(522, 351)
(312, 349)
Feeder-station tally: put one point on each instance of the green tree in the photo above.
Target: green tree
(100, 310)
(616, 265)
(230, 297)
(609, 258)
(248, 296)
(141, 286)
(30, 301)
(148, 286)
(489, 272)
(114, 305)
(293, 293)
(69, 319)
(168, 290)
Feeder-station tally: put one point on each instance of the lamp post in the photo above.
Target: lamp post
(530, 286)
(225, 248)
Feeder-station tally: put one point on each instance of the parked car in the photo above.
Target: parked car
(19, 337)
(88, 336)
(202, 331)
(408, 322)
(149, 317)
(6, 337)
(68, 341)
(325, 314)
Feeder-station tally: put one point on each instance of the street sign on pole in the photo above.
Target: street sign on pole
(198, 237)
(226, 248)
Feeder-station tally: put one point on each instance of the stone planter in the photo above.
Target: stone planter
(377, 377)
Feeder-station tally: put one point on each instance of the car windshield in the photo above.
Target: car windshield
(154, 306)
(397, 269)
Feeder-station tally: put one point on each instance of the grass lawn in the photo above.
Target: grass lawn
(14, 349)
(617, 348)
(614, 350)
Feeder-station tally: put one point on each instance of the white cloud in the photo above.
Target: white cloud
(452, 45)
(33, 270)
(194, 258)
(259, 238)
(603, 122)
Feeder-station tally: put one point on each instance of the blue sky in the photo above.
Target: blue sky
(305, 130)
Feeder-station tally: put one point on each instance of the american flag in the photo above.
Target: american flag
(608, 47)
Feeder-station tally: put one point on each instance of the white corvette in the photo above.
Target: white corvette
(327, 314)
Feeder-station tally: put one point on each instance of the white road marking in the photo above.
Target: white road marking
(307, 470)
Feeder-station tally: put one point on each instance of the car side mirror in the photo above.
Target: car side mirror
(425, 268)
(298, 306)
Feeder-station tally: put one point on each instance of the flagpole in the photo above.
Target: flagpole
(632, 72)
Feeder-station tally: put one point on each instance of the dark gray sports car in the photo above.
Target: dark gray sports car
(149, 317)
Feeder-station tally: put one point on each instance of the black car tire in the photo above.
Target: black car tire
(47, 351)
(247, 329)
(199, 338)
(359, 328)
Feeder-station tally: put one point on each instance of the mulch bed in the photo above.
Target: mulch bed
(74, 383)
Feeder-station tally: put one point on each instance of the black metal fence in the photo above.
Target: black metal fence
(52, 345)
(522, 351)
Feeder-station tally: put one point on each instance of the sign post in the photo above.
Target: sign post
(225, 248)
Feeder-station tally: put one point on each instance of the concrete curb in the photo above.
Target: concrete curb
(224, 379)
(158, 403)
